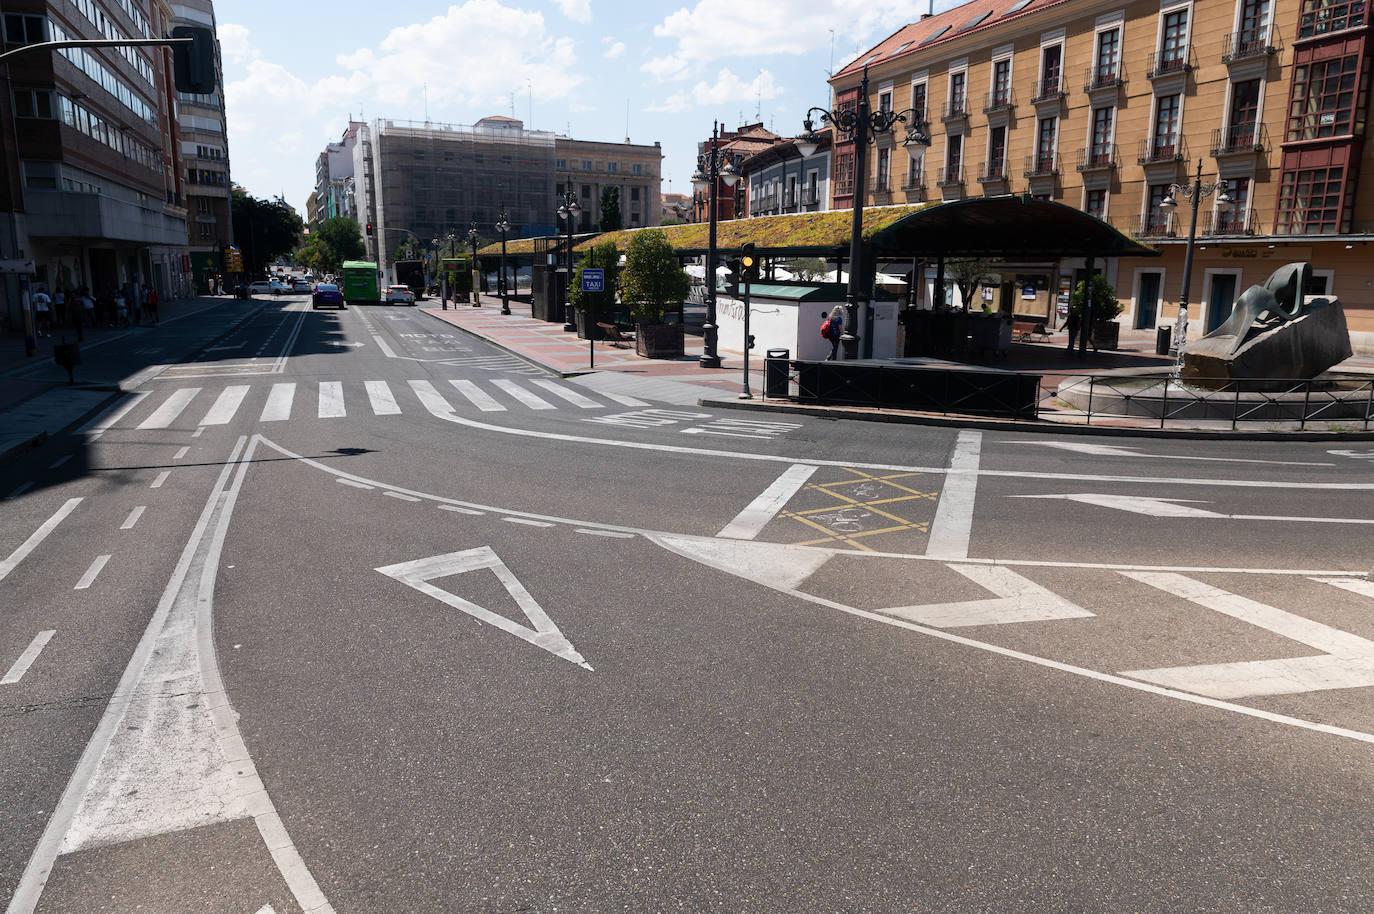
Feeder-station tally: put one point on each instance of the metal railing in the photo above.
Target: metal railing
(999, 100)
(1049, 88)
(992, 171)
(1167, 63)
(1156, 149)
(1246, 45)
(951, 175)
(1335, 398)
(955, 110)
(1155, 225)
(1239, 139)
(1104, 76)
(1097, 157)
(1226, 223)
(1042, 166)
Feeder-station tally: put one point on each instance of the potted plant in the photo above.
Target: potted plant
(652, 285)
(1105, 330)
(593, 307)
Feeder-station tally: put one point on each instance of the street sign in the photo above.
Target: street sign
(593, 280)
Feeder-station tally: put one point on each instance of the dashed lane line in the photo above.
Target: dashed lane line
(161, 478)
(26, 659)
(92, 573)
(47, 527)
(133, 517)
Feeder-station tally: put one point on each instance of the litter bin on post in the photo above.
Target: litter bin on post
(775, 368)
(1163, 336)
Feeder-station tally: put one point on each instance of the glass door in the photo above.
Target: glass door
(1221, 297)
(1147, 301)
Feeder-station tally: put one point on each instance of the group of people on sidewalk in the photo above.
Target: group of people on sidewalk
(126, 306)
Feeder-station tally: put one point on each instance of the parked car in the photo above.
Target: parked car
(262, 285)
(399, 295)
(327, 294)
(300, 285)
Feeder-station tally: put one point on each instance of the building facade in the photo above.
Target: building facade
(205, 156)
(781, 180)
(92, 194)
(736, 146)
(334, 176)
(588, 167)
(1105, 105)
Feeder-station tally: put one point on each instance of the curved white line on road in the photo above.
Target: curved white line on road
(438, 407)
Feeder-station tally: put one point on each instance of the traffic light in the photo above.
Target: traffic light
(734, 265)
(749, 343)
(369, 228)
(193, 64)
(749, 262)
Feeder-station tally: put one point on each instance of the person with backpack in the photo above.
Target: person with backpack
(832, 329)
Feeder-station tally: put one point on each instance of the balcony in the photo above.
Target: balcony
(1097, 158)
(1104, 76)
(810, 197)
(1239, 139)
(992, 172)
(1247, 44)
(789, 199)
(1168, 63)
(952, 176)
(1049, 89)
(1155, 225)
(915, 187)
(955, 110)
(1042, 166)
(1159, 149)
(1226, 223)
(997, 101)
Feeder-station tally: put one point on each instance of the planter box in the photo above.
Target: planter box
(1106, 335)
(659, 341)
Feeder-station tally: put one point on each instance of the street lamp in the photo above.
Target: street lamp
(568, 211)
(858, 122)
(713, 167)
(476, 271)
(439, 242)
(1195, 192)
(503, 226)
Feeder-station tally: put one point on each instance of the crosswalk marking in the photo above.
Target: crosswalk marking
(622, 399)
(572, 396)
(478, 397)
(331, 400)
(226, 404)
(278, 406)
(167, 413)
(379, 395)
(523, 395)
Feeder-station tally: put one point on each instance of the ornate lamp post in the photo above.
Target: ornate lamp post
(476, 271)
(568, 211)
(440, 242)
(858, 122)
(503, 227)
(1195, 192)
(712, 168)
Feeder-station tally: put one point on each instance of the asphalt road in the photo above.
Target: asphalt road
(351, 612)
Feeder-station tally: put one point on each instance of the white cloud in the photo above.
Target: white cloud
(576, 10)
(614, 51)
(727, 88)
(235, 44)
(670, 66)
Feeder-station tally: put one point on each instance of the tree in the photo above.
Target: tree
(335, 240)
(603, 256)
(264, 229)
(808, 269)
(652, 283)
(968, 273)
(610, 210)
(1105, 305)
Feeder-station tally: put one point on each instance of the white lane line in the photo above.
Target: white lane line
(278, 405)
(953, 524)
(523, 395)
(279, 365)
(476, 396)
(457, 510)
(102, 423)
(1354, 585)
(26, 659)
(167, 413)
(356, 485)
(182, 453)
(161, 478)
(401, 495)
(611, 533)
(133, 517)
(226, 404)
(622, 399)
(59, 461)
(572, 396)
(92, 572)
(751, 521)
(18, 555)
(384, 346)
(331, 400)
(383, 402)
(24, 487)
(198, 432)
(527, 522)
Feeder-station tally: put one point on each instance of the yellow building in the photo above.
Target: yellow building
(1104, 105)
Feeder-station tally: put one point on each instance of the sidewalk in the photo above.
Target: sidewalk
(548, 345)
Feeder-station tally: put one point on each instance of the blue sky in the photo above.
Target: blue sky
(295, 71)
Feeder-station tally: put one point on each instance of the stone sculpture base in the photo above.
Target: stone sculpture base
(1303, 347)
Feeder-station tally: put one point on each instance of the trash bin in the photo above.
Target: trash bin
(775, 369)
(1162, 338)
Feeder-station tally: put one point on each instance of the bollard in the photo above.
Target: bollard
(775, 368)
(1162, 339)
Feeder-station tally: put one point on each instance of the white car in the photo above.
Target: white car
(262, 285)
(399, 295)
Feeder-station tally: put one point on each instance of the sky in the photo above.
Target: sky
(295, 70)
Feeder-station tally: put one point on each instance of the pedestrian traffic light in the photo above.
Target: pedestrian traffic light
(749, 262)
(193, 62)
(749, 343)
(735, 267)
(369, 228)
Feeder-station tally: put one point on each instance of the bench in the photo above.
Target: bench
(611, 333)
(1025, 331)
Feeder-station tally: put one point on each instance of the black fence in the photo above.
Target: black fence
(899, 385)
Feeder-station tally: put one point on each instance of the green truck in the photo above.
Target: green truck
(359, 284)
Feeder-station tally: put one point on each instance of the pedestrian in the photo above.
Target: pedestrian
(135, 302)
(59, 305)
(42, 312)
(87, 307)
(150, 304)
(1072, 325)
(121, 309)
(832, 329)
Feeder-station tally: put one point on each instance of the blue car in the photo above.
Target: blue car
(327, 294)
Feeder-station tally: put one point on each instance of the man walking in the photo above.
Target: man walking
(42, 312)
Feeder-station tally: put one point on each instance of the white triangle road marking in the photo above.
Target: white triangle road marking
(544, 634)
(1018, 600)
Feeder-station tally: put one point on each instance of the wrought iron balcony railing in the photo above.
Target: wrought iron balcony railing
(1155, 225)
(1050, 88)
(1042, 166)
(1157, 149)
(1247, 44)
(1098, 157)
(1104, 76)
(1003, 100)
(1168, 63)
(1239, 139)
(951, 175)
(1227, 222)
(992, 172)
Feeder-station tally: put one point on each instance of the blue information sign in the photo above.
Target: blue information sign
(593, 280)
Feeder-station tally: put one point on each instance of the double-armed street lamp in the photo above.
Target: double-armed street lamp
(858, 122)
(440, 242)
(476, 272)
(503, 226)
(568, 211)
(1195, 192)
(713, 167)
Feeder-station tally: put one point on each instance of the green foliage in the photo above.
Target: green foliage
(652, 284)
(672, 220)
(610, 210)
(264, 229)
(968, 273)
(808, 269)
(605, 257)
(331, 243)
(1105, 305)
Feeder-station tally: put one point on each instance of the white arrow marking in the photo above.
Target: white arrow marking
(342, 343)
(545, 634)
(1174, 507)
(1109, 450)
(1358, 455)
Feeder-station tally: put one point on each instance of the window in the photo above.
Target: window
(612, 166)
(560, 163)
(1164, 141)
(885, 100)
(1173, 49)
(1244, 119)
(1001, 83)
(882, 177)
(1323, 100)
(918, 101)
(1107, 63)
(20, 29)
(586, 191)
(997, 152)
(1101, 150)
(1254, 25)
(1095, 203)
(1156, 216)
(586, 165)
(206, 232)
(1310, 201)
(634, 194)
(914, 178)
(636, 169)
(1231, 218)
(844, 174)
(1051, 70)
(1045, 136)
(954, 158)
(33, 103)
(957, 94)
(1322, 16)
(202, 206)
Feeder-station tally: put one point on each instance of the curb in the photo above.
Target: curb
(1038, 426)
(575, 373)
